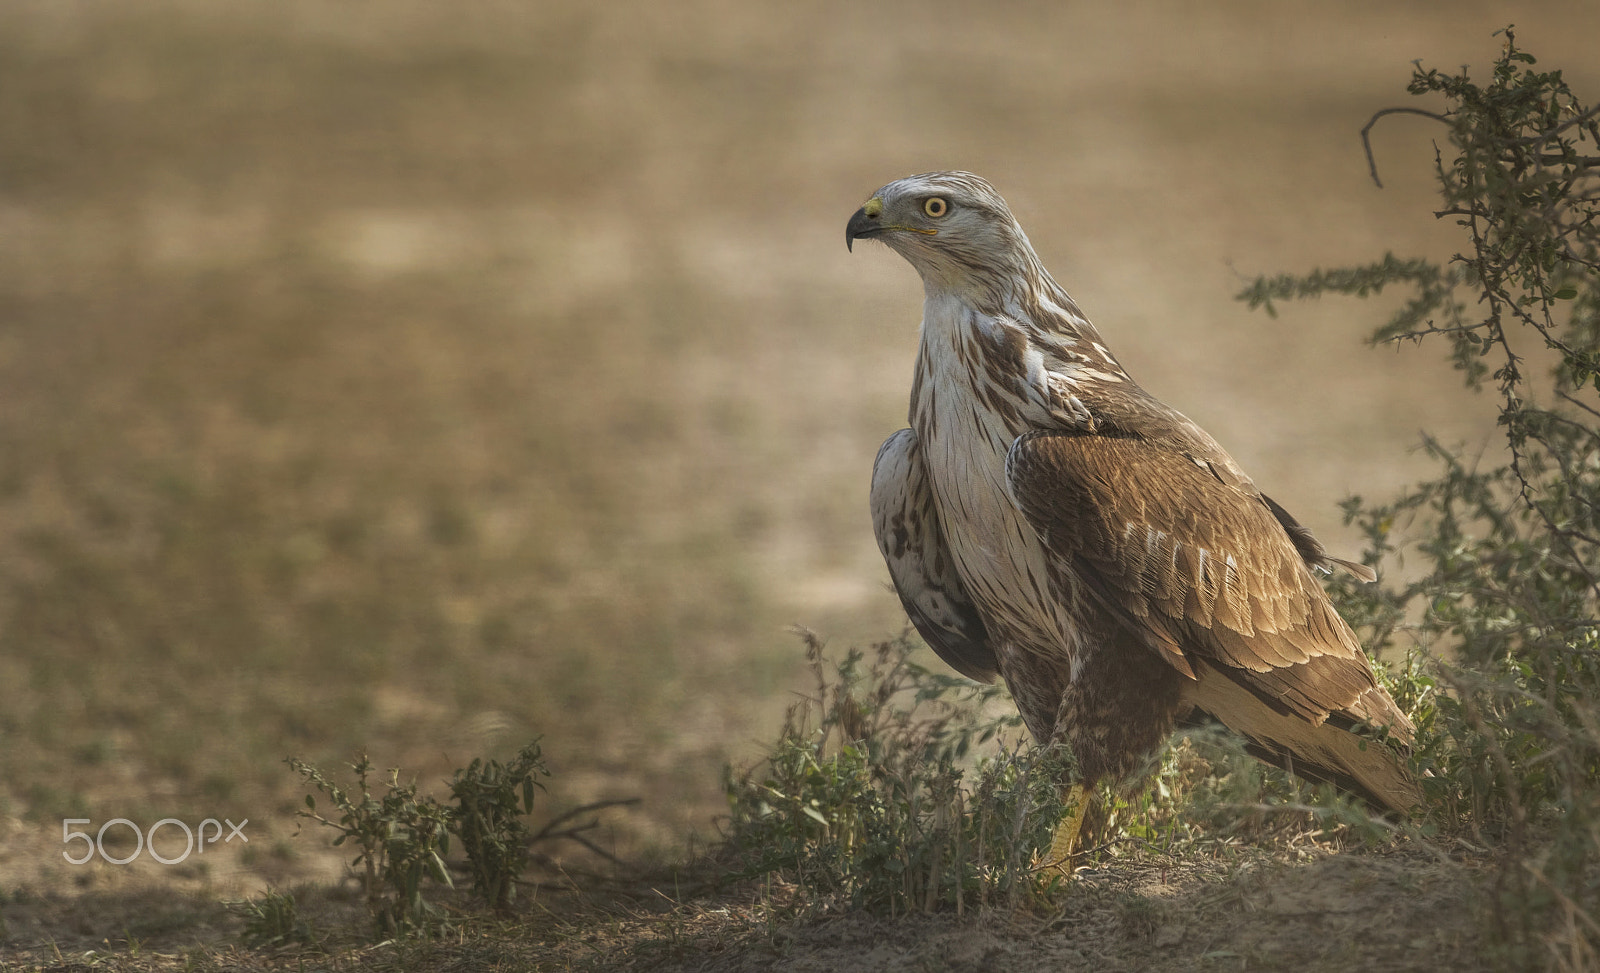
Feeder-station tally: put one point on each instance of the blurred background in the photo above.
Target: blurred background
(425, 377)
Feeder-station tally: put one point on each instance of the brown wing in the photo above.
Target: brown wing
(1201, 568)
(924, 573)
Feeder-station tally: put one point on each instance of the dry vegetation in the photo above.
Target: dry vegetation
(422, 379)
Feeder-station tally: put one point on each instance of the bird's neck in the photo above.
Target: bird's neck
(979, 365)
(1034, 358)
(1038, 314)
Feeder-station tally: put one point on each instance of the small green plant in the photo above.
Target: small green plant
(403, 837)
(402, 840)
(492, 801)
(865, 801)
(272, 919)
(1501, 627)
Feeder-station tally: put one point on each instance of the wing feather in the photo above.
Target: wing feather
(924, 573)
(1191, 558)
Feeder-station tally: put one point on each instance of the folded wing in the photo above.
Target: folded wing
(1205, 571)
(924, 574)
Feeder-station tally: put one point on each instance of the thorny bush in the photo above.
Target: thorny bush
(1501, 620)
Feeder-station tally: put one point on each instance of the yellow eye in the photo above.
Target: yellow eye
(935, 207)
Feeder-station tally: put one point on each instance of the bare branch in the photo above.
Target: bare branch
(1366, 130)
(550, 828)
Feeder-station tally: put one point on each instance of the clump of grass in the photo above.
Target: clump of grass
(871, 798)
(272, 919)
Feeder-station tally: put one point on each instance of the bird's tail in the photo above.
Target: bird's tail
(1360, 764)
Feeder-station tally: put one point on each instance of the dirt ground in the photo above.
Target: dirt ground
(425, 378)
(1343, 912)
(1313, 911)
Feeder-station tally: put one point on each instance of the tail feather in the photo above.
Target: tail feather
(1361, 571)
(1320, 752)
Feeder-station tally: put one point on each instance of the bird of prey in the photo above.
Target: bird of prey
(1047, 520)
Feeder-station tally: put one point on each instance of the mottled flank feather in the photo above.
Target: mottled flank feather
(908, 535)
(1047, 519)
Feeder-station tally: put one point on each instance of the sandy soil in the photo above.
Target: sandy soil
(1313, 911)
(1344, 912)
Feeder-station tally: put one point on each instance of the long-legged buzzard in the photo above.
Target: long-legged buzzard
(1047, 520)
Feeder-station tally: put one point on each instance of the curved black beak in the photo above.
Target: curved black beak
(866, 222)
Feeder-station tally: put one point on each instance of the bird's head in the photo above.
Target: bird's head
(954, 229)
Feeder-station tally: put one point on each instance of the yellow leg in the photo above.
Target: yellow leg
(1065, 842)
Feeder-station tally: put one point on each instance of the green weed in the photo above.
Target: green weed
(492, 801)
(872, 798)
(403, 837)
(272, 919)
(402, 840)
